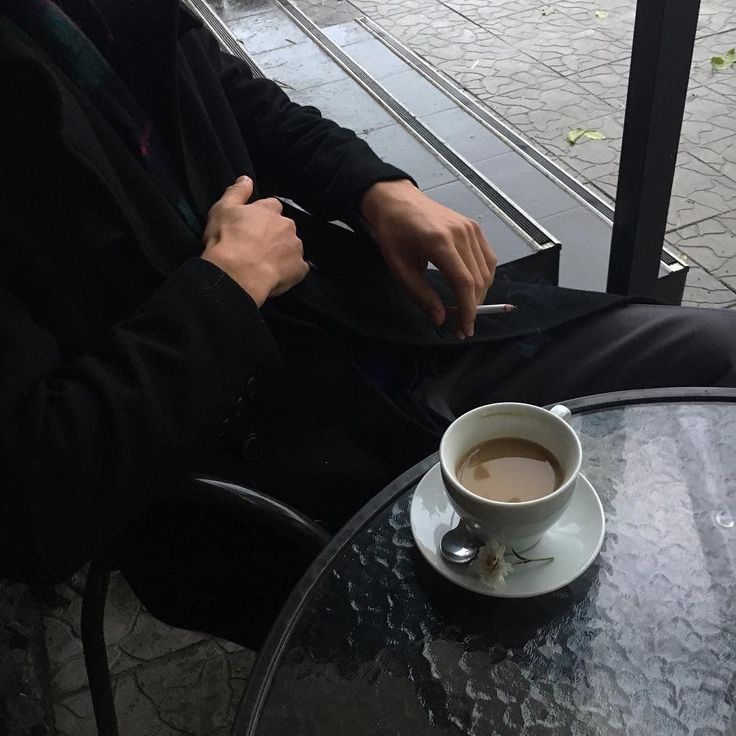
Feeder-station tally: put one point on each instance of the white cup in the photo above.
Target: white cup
(521, 524)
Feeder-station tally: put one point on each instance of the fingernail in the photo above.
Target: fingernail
(242, 179)
(459, 334)
(471, 330)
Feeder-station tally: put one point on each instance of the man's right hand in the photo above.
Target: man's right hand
(254, 244)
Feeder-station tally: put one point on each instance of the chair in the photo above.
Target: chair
(252, 504)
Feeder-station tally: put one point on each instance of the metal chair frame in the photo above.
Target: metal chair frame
(266, 509)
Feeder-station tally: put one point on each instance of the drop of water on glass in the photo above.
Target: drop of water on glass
(724, 519)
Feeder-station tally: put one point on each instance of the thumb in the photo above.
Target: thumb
(240, 192)
(420, 290)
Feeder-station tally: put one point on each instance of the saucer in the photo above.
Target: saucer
(574, 541)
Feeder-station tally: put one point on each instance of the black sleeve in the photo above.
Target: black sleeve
(87, 444)
(296, 152)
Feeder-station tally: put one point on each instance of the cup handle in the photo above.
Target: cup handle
(562, 412)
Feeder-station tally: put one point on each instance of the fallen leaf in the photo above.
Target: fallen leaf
(574, 135)
(724, 62)
(601, 14)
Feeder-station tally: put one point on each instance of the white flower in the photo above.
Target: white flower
(493, 566)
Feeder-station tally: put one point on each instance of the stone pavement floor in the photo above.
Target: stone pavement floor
(543, 68)
(548, 67)
(167, 681)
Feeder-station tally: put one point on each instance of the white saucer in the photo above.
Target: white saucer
(574, 541)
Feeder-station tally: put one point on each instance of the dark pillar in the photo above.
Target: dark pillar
(664, 36)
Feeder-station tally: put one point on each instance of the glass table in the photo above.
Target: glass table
(373, 641)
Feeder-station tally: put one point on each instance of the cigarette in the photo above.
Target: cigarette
(494, 308)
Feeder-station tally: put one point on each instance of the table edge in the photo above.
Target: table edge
(270, 654)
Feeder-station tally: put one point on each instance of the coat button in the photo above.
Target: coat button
(250, 388)
(251, 447)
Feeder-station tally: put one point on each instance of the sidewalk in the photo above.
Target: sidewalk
(546, 68)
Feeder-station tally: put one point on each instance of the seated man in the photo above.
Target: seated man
(158, 315)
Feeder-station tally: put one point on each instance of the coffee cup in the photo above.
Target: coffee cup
(517, 524)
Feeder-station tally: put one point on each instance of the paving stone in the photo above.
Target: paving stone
(266, 31)
(327, 13)
(400, 148)
(136, 713)
(299, 67)
(415, 93)
(715, 17)
(376, 58)
(608, 82)
(618, 24)
(346, 103)
(377, 9)
(559, 42)
(698, 192)
(194, 691)
(720, 155)
(465, 135)
(489, 67)
(191, 690)
(22, 706)
(344, 34)
(232, 9)
(545, 118)
(708, 117)
(704, 290)
(521, 181)
(710, 244)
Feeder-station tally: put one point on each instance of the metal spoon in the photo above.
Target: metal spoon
(460, 545)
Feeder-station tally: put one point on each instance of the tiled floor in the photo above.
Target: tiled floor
(543, 73)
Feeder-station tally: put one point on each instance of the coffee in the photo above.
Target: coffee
(510, 469)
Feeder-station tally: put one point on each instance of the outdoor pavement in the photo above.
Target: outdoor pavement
(544, 69)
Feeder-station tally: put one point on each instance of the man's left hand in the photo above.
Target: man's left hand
(413, 230)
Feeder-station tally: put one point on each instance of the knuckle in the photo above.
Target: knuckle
(466, 281)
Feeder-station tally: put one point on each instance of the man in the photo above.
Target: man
(158, 315)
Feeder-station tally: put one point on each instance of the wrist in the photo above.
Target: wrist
(256, 287)
(380, 195)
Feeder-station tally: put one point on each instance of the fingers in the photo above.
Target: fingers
(454, 268)
(416, 284)
(470, 273)
(238, 193)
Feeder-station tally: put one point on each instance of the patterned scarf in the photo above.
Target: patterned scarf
(79, 59)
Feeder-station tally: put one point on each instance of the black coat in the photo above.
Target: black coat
(122, 353)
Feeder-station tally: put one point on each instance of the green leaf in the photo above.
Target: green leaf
(573, 135)
(601, 14)
(724, 62)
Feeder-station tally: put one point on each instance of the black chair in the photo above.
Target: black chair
(250, 504)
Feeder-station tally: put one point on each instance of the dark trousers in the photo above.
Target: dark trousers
(202, 569)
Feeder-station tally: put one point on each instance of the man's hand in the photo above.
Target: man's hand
(253, 243)
(413, 230)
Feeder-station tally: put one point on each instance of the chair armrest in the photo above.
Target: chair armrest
(262, 508)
